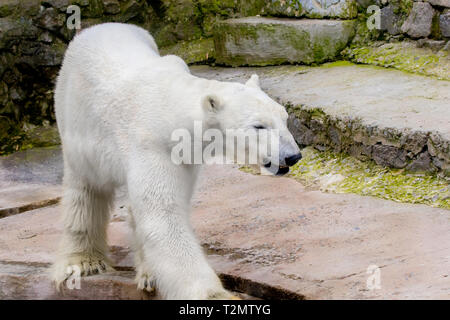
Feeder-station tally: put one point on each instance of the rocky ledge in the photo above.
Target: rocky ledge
(399, 120)
(258, 41)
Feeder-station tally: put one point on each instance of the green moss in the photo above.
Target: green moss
(247, 32)
(319, 48)
(286, 7)
(435, 28)
(11, 137)
(402, 6)
(7, 8)
(316, 113)
(363, 34)
(294, 8)
(341, 173)
(248, 8)
(340, 63)
(249, 169)
(403, 56)
(303, 46)
(196, 51)
(216, 7)
(27, 136)
(93, 10)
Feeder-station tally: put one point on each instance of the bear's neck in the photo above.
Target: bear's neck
(195, 89)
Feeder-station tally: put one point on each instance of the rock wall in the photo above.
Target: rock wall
(263, 41)
(427, 21)
(34, 37)
(413, 36)
(388, 147)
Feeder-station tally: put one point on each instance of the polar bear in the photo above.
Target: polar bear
(117, 102)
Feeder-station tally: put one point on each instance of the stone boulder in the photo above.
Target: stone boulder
(343, 9)
(439, 3)
(390, 21)
(271, 41)
(389, 156)
(444, 23)
(420, 20)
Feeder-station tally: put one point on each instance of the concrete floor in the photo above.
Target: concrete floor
(268, 232)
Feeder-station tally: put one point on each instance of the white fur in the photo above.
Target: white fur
(117, 102)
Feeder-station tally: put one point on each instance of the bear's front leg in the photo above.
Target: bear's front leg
(168, 250)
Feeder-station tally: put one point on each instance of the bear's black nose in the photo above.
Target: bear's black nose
(290, 161)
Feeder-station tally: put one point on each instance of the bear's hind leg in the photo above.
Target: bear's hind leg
(83, 248)
(145, 281)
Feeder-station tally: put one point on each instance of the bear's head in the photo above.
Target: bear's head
(250, 115)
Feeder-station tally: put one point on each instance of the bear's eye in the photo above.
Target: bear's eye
(259, 127)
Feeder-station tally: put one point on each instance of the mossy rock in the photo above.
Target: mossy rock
(271, 41)
(15, 137)
(342, 9)
(405, 56)
(192, 52)
(213, 11)
(340, 173)
(40, 136)
(8, 7)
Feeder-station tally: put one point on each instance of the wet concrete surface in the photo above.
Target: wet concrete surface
(30, 179)
(269, 236)
(34, 166)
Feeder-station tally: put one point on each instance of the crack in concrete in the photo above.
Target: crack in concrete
(6, 212)
(230, 282)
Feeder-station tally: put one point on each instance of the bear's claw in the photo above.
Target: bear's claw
(78, 265)
(223, 295)
(146, 283)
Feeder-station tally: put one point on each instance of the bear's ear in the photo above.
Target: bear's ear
(212, 103)
(253, 82)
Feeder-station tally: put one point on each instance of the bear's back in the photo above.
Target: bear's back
(108, 50)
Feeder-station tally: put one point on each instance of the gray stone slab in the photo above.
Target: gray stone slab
(439, 3)
(444, 23)
(343, 105)
(270, 41)
(420, 20)
(343, 9)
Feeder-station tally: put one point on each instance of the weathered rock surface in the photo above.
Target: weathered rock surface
(271, 41)
(440, 3)
(444, 23)
(406, 56)
(321, 246)
(33, 39)
(343, 9)
(390, 21)
(388, 115)
(30, 179)
(34, 36)
(421, 163)
(419, 21)
(197, 51)
(434, 45)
